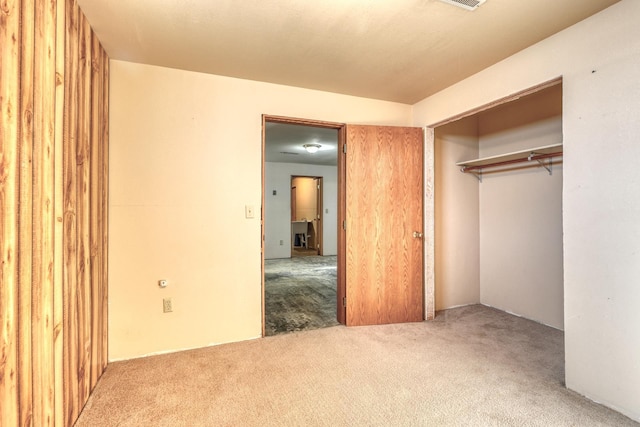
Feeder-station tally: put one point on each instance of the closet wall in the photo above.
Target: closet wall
(53, 231)
(521, 212)
(499, 241)
(457, 225)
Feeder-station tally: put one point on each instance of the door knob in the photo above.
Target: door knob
(417, 234)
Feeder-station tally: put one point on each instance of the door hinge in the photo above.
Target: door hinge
(344, 302)
(344, 148)
(344, 224)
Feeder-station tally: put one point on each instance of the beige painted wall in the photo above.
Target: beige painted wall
(521, 212)
(457, 233)
(601, 129)
(185, 159)
(306, 205)
(306, 198)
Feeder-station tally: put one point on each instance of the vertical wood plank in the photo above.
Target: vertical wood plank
(95, 206)
(26, 209)
(58, 310)
(83, 159)
(104, 179)
(70, 320)
(9, 193)
(43, 213)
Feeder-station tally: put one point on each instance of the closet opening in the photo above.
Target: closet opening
(497, 179)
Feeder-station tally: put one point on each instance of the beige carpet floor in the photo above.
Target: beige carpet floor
(472, 366)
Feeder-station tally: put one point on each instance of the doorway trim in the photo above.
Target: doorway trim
(341, 285)
(429, 184)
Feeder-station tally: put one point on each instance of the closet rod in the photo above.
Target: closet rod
(529, 158)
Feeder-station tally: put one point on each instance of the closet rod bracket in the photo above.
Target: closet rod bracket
(476, 173)
(533, 155)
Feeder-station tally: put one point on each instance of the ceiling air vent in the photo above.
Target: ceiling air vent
(466, 4)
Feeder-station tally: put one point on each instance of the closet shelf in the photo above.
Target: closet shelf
(538, 154)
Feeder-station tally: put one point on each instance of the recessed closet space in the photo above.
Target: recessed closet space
(498, 208)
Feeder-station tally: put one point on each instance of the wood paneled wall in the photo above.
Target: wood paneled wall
(53, 198)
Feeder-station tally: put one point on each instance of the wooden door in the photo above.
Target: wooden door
(384, 225)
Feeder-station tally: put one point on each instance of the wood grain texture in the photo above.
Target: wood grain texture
(69, 286)
(58, 300)
(341, 292)
(25, 257)
(95, 198)
(102, 311)
(43, 214)
(9, 225)
(42, 120)
(384, 182)
(83, 159)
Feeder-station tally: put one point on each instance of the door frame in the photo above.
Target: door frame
(341, 285)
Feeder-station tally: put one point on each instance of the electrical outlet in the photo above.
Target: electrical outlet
(167, 306)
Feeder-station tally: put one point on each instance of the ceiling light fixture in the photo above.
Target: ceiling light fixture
(312, 148)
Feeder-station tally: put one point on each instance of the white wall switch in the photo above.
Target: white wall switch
(249, 211)
(163, 283)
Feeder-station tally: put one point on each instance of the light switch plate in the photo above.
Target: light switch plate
(249, 211)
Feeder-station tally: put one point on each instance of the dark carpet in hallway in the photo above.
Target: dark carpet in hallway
(300, 293)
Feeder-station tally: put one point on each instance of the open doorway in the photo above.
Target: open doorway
(396, 162)
(306, 216)
(300, 226)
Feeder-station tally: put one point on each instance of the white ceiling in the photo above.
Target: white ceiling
(284, 144)
(395, 50)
